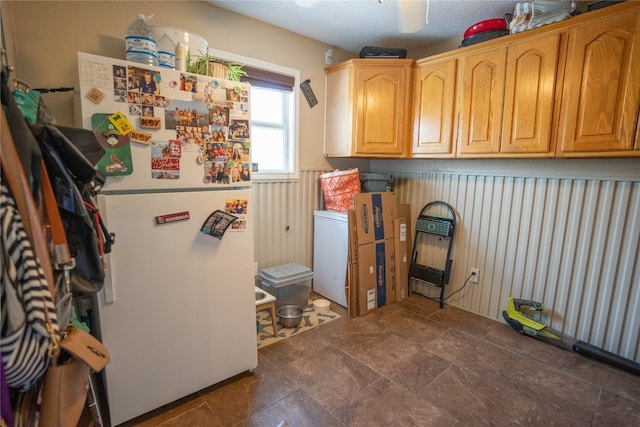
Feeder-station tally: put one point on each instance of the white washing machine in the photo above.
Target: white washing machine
(330, 252)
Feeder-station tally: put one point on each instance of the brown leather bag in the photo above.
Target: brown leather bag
(67, 381)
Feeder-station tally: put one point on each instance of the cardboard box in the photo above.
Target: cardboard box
(373, 265)
(390, 271)
(352, 265)
(404, 211)
(374, 213)
(376, 271)
(401, 247)
(367, 299)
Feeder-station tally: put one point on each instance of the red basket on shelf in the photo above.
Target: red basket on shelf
(338, 188)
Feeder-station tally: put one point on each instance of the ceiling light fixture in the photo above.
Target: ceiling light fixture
(426, 15)
(410, 13)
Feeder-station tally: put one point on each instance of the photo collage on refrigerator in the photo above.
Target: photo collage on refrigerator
(203, 115)
(186, 127)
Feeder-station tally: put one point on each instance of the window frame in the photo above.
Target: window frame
(294, 128)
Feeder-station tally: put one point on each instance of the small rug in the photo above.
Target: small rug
(310, 319)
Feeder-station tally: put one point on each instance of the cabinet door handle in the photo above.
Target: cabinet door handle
(635, 140)
(456, 135)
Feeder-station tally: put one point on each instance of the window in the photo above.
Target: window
(274, 117)
(271, 130)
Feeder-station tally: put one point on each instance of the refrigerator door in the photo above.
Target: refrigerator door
(179, 139)
(177, 313)
(330, 251)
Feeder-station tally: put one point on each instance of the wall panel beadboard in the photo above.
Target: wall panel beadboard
(283, 218)
(573, 244)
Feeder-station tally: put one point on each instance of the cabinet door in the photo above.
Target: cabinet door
(383, 95)
(602, 89)
(483, 77)
(529, 96)
(434, 106)
(339, 120)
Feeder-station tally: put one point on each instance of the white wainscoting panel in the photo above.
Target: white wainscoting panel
(573, 244)
(284, 220)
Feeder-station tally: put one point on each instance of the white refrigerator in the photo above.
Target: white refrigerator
(177, 312)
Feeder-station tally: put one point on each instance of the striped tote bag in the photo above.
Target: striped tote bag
(24, 338)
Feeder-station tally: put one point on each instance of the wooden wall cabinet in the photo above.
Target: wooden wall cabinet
(529, 97)
(507, 99)
(434, 106)
(481, 101)
(368, 108)
(569, 89)
(493, 102)
(601, 92)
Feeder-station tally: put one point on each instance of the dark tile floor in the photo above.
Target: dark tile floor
(413, 364)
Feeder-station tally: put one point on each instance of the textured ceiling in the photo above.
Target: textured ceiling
(353, 24)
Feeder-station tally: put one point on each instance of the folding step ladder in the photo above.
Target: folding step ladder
(428, 227)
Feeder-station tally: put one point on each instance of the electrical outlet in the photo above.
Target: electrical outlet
(475, 275)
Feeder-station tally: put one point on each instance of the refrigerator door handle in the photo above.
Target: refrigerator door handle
(109, 291)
